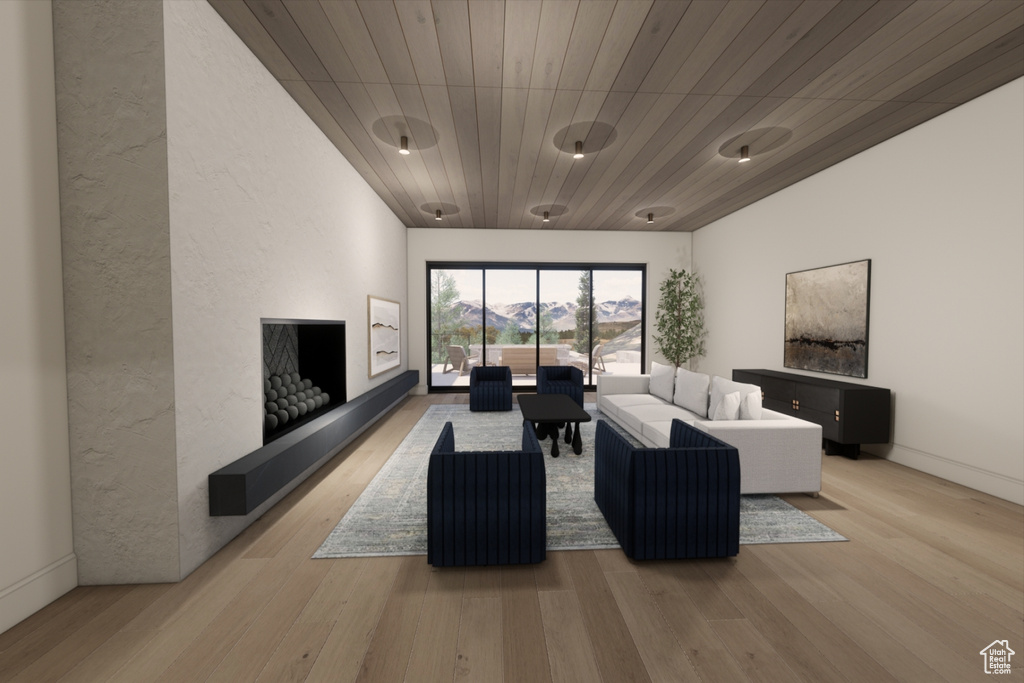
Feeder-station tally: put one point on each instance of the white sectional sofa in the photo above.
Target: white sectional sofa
(778, 453)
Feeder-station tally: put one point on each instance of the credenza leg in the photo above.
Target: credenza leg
(847, 450)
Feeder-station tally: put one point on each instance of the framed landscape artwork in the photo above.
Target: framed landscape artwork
(827, 319)
(385, 334)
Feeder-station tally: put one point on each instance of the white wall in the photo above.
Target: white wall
(267, 220)
(659, 250)
(37, 563)
(939, 210)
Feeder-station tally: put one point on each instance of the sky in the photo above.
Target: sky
(514, 286)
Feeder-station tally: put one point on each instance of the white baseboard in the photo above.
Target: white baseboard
(34, 592)
(998, 485)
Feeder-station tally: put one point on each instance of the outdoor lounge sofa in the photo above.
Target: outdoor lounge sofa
(522, 360)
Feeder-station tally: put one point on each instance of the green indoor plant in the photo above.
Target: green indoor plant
(679, 320)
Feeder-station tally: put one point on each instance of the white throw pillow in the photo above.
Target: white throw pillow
(728, 408)
(750, 406)
(692, 391)
(721, 386)
(662, 380)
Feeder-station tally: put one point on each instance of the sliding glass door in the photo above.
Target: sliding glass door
(525, 315)
(511, 309)
(455, 320)
(618, 322)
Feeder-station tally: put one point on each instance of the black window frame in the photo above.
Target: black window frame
(484, 266)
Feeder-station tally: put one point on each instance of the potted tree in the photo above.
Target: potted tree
(679, 320)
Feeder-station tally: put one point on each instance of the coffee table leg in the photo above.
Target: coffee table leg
(554, 443)
(568, 432)
(577, 442)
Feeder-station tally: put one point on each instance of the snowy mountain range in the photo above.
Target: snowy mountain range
(563, 313)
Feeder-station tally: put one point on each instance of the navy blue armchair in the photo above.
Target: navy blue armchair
(675, 502)
(490, 388)
(561, 379)
(486, 507)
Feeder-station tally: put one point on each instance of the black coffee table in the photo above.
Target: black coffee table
(548, 411)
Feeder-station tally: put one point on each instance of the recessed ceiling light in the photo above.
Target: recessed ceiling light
(744, 153)
(579, 150)
(404, 149)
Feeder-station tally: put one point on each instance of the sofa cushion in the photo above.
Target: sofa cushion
(659, 432)
(750, 406)
(614, 403)
(728, 408)
(692, 391)
(721, 386)
(634, 417)
(662, 381)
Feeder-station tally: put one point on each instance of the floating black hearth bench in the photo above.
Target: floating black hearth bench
(240, 487)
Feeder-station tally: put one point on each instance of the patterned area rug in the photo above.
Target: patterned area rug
(390, 517)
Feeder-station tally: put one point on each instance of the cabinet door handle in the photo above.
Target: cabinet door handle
(796, 404)
(837, 416)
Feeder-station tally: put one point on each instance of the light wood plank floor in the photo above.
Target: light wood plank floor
(933, 573)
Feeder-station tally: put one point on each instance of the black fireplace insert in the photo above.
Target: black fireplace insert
(303, 372)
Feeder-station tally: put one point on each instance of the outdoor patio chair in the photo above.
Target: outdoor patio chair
(598, 360)
(457, 358)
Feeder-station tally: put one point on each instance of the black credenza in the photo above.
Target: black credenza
(849, 414)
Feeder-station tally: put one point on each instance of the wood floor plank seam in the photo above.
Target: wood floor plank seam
(525, 654)
(58, 661)
(663, 654)
(909, 633)
(688, 621)
(785, 637)
(570, 649)
(617, 656)
(901, 661)
(442, 608)
(833, 643)
(390, 646)
(930, 571)
(294, 656)
(356, 624)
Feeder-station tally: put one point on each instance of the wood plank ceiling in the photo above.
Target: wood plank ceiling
(492, 95)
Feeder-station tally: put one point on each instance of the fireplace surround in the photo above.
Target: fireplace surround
(313, 350)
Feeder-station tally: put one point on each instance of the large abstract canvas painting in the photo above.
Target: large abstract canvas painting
(827, 319)
(385, 335)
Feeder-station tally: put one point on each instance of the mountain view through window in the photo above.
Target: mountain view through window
(525, 316)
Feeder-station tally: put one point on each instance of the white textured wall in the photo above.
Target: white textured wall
(939, 210)
(111, 137)
(37, 564)
(659, 250)
(267, 220)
